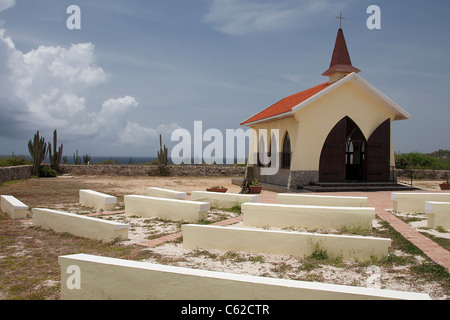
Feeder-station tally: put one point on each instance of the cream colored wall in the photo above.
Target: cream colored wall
(285, 125)
(321, 200)
(165, 193)
(414, 202)
(306, 216)
(297, 244)
(171, 209)
(438, 214)
(319, 118)
(14, 208)
(97, 200)
(222, 200)
(86, 277)
(310, 126)
(78, 225)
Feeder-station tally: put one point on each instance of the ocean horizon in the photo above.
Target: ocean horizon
(116, 159)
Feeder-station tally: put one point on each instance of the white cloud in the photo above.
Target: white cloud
(238, 17)
(6, 4)
(47, 88)
(167, 129)
(117, 106)
(112, 116)
(76, 66)
(136, 134)
(51, 82)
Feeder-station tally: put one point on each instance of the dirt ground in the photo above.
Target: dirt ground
(28, 254)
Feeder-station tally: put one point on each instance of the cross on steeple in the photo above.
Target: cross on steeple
(340, 20)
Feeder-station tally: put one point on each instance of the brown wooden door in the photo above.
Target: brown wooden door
(332, 159)
(378, 153)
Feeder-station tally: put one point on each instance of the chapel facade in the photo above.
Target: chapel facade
(338, 131)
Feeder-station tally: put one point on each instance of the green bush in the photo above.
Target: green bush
(13, 161)
(47, 172)
(416, 160)
(108, 162)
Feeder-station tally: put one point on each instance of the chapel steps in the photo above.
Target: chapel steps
(355, 186)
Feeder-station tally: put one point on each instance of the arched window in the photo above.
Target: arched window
(286, 153)
(261, 150)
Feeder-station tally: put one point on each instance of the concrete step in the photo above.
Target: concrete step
(367, 187)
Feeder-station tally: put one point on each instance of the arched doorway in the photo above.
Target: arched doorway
(348, 156)
(354, 152)
(343, 154)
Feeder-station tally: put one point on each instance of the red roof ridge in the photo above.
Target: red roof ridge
(287, 104)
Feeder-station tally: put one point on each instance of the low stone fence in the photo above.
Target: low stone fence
(144, 170)
(24, 172)
(14, 173)
(419, 174)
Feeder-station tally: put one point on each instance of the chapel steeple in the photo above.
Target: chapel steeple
(341, 64)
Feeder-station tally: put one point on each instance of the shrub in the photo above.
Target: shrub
(416, 160)
(108, 162)
(46, 172)
(13, 161)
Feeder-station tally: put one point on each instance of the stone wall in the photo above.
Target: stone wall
(279, 179)
(287, 178)
(144, 170)
(303, 178)
(14, 173)
(295, 177)
(423, 174)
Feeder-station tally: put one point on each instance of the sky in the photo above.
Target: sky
(140, 68)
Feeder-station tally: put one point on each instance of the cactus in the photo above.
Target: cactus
(76, 158)
(38, 151)
(86, 158)
(56, 155)
(162, 157)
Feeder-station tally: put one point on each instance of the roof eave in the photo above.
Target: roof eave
(400, 113)
(278, 116)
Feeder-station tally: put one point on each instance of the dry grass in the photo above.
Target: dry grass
(29, 255)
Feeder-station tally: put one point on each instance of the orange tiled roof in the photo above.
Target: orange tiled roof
(287, 104)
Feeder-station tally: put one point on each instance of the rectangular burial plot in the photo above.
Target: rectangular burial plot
(82, 226)
(223, 200)
(97, 200)
(170, 209)
(414, 202)
(14, 207)
(438, 214)
(102, 278)
(165, 193)
(310, 217)
(321, 200)
(298, 244)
